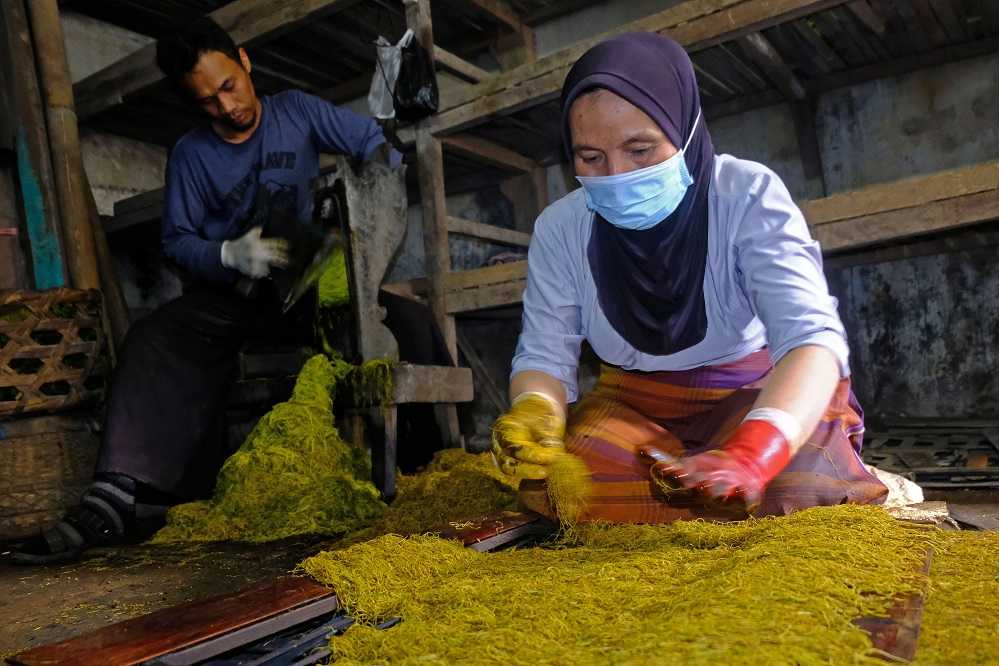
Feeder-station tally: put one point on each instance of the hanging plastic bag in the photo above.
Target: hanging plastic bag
(416, 94)
(381, 102)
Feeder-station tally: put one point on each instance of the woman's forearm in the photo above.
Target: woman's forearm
(541, 382)
(802, 384)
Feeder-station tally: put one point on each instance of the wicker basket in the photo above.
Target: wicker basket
(51, 350)
(46, 462)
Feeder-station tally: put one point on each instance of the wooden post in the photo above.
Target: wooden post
(430, 160)
(64, 141)
(34, 168)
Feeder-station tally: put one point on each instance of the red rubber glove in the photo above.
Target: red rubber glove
(734, 475)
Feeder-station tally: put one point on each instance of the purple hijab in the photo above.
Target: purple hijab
(650, 283)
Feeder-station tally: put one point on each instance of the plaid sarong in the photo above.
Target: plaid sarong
(691, 411)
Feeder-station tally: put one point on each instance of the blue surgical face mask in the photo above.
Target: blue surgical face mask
(643, 198)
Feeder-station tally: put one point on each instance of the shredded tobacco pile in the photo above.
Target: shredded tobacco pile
(455, 487)
(333, 285)
(294, 474)
(960, 616)
(777, 590)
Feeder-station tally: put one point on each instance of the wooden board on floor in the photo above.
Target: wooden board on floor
(895, 637)
(143, 638)
(181, 627)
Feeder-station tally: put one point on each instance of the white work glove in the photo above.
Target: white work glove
(253, 256)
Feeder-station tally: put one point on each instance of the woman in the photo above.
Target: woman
(693, 277)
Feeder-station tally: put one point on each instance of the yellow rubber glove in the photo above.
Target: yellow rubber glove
(530, 436)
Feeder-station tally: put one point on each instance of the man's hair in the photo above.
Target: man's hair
(178, 53)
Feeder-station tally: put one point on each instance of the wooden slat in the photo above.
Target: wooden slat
(477, 277)
(906, 193)
(907, 222)
(490, 232)
(487, 152)
(697, 25)
(898, 634)
(485, 297)
(150, 636)
(770, 61)
(247, 21)
(456, 65)
(501, 11)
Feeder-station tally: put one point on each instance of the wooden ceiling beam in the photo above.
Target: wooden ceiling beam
(458, 66)
(696, 25)
(762, 52)
(247, 21)
(502, 12)
(487, 152)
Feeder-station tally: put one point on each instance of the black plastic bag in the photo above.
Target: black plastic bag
(416, 95)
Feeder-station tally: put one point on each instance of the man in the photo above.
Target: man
(252, 164)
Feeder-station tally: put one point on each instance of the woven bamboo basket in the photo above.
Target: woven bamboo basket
(52, 351)
(46, 462)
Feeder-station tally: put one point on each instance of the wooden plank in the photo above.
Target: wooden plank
(508, 272)
(906, 193)
(143, 638)
(459, 66)
(431, 384)
(907, 222)
(762, 52)
(490, 232)
(488, 296)
(697, 25)
(247, 21)
(867, 16)
(896, 635)
(488, 152)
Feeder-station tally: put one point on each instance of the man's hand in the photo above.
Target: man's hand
(253, 256)
(530, 436)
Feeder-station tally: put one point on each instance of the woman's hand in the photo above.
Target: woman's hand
(529, 436)
(734, 475)
(789, 408)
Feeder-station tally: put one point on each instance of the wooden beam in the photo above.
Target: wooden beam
(458, 66)
(867, 16)
(490, 232)
(511, 271)
(500, 11)
(487, 296)
(437, 252)
(907, 193)
(488, 152)
(697, 25)
(762, 52)
(247, 21)
(906, 208)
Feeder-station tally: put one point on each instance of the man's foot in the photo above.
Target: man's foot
(107, 514)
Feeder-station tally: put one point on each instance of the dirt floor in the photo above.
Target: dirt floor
(40, 605)
(49, 604)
